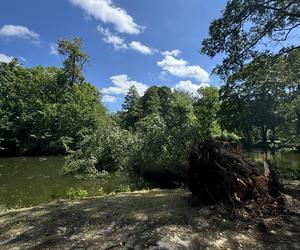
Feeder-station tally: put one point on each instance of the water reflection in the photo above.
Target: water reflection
(287, 164)
(30, 181)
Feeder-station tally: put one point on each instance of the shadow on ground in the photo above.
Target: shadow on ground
(157, 219)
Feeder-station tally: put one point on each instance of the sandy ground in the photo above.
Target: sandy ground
(155, 219)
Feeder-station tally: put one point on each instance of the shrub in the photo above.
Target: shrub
(76, 193)
(109, 149)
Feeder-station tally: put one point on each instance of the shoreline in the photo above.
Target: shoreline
(149, 219)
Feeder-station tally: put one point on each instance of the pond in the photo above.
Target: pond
(28, 181)
(287, 164)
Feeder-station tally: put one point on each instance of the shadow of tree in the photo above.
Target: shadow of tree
(158, 219)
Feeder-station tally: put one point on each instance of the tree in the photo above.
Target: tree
(38, 116)
(247, 24)
(234, 114)
(108, 149)
(206, 108)
(75, 61)
(259, 97)
(151, 101)
(131, 107)
(173, 107)
(180, 110)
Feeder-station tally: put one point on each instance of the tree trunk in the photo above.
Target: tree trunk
(247, 137)
(298, 123)
(273, 134)
(264, 130)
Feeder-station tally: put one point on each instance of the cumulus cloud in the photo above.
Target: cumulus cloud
(181, 68)
(190, 86)
(5, 58)
(121, 85)
(107, 12)
(119, 43)
(135, 45)
(18, 31)
(109, 98)
(54, 49)
(110, 38)
(174, 53)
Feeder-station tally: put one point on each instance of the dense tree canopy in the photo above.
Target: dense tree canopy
(155, 134)
(260, 44)
(263, 96)
(41, 113)
(246, 25)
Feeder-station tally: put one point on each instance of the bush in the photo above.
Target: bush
(109, 149)
(76, 193)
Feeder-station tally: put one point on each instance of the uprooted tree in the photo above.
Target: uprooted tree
(218, 174)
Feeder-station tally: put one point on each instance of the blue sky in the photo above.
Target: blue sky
(130, 42)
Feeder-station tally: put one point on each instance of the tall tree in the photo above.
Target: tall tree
(247, 24)
(151, 101)
(259, 97)
(131, 99)
(206, 108)
(75, 61)
(131, 107)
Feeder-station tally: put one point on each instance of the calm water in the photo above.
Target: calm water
(288, 163)
(28, 181)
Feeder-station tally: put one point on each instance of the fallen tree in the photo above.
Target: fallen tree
(218, 174)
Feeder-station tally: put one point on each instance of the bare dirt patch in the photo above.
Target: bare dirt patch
(156, 219)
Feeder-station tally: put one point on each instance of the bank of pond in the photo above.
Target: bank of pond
(29, 181)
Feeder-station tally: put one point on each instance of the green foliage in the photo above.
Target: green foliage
(108, 149)
(167, 126)
(75, 61)
(164, 152)
(245, 24)
(161, 134)
(77, 193)
(40, 113)
(131, 108)
(171, 108)
(260, 101)
(207, 106)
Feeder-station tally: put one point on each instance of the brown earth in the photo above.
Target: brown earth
(155, 219)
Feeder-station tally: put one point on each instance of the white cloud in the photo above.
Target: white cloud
(19, 31)
(190, 87)
(181, 68)
(120, 44)
(135, 45)
(109, 98)
(107, 12)
(174, 52)
(117, 41)
(23, 59)
(121, 85)
(54, 49)
(5, 58)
